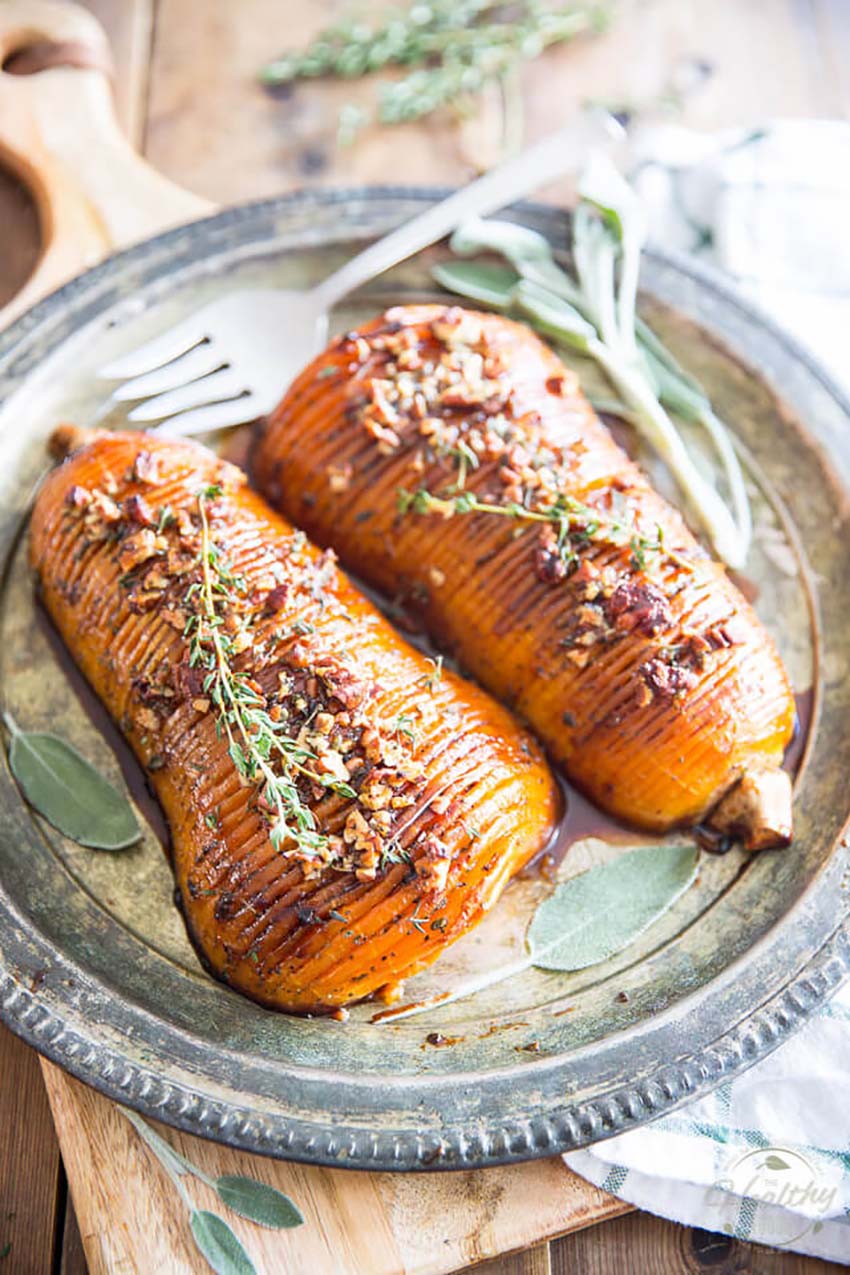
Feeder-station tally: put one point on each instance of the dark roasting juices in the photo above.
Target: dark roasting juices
(580, 819)
(805, 703)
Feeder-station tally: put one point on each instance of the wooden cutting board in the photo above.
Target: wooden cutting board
(131, 1218)
(58, 132)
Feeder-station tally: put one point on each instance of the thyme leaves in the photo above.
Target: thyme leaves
(575, 524)
(431, 680)
(260, 748)
(454, 49)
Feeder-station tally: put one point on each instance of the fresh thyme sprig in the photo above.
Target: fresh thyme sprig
(457, 46)
(352, 48)
(254, 739)
(575, 524)
(472, 58)
(433, 677)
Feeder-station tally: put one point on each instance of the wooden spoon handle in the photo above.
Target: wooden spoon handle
(59, 133)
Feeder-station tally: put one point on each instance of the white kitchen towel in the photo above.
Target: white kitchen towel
(765, 1157)
(771, 208)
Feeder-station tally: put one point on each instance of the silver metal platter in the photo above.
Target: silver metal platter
(95, 967)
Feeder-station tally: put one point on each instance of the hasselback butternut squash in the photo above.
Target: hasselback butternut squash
(454, 463)
(340, 808)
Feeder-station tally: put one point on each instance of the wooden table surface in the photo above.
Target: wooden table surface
(187, 96)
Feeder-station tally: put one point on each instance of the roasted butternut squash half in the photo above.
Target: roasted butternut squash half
(340, 808)
(453, 462)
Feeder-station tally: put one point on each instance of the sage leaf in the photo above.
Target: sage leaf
(585, 920)
(682, 394)
(519, 244)
(222, 1249)
(598, 913)
(595, 253)
(670, 375)
(554, 316)
(608, 232)
(776, 1162)
(480, 281)
(527, 251)
(71, 795)
(258, 1202)
(602, 185)
(171, 1160)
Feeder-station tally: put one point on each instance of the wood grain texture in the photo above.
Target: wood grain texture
(206, 104)
(652, 1246)
(73, 1261)
(21, 236)
(534, 1261)
(129, 26)
(131, 1218)
(29, 1164)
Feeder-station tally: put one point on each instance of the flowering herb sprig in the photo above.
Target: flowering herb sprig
(259, 747)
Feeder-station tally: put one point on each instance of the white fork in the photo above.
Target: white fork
(231, 361)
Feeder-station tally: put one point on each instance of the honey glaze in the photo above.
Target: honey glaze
(581, 819)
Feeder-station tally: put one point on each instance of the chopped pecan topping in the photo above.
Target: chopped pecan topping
(139, 511)
(339, 477)
(549, 565)
(146, 469)
(176, 617)
(78, 498)
(147, 719)
(139, 548)
(102, 506)
(432, 864)
(637, 604)
(666, 679)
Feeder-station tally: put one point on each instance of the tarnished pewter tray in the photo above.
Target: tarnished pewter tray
(95, 968)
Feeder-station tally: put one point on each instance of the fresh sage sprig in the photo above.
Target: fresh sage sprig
(595, 313)
(457, 46)
(587, 919)
(256, 1201)
(67, 790)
